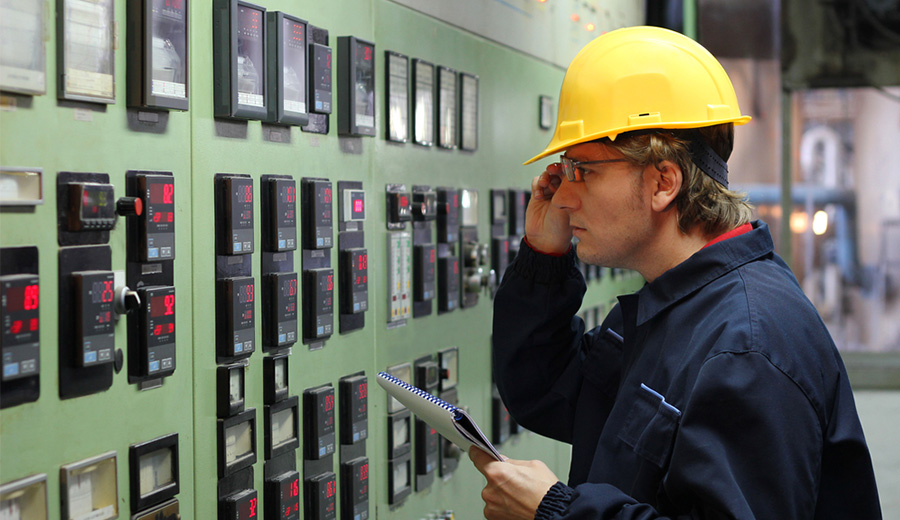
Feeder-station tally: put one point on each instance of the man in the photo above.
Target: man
(713, 392)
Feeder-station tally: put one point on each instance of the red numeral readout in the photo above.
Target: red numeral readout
(364, 472)
(329, 403)
(363, 390)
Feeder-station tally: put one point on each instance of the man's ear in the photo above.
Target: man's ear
(667, 180)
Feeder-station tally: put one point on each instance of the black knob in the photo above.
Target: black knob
(129, 206)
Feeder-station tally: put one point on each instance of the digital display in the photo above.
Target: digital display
(447, 115)
(282, 203)
(321, 497)
(354, 280)
(448, 283)
(237, 232)
(22, 53)
(281, 319)
(20, 320)
(242, 505)
(169, 49)
(157, 331)
(318, 228)
(319, 423)
(95, 335)
(238, 335)
(357, 88)
(88, 51)
(425, 258)
(354, 409)
(319, 296)
(294, 75)
(448, 215)
(423, 99)
(92, 206)
(247, 509)
(250, 56)
(355, 492)
(468, 99)
(397, 88)
(320, 77)
(157, 222)
(399, 207)
(427, 441)
(354, 205)
(283, 496)
(517, 208)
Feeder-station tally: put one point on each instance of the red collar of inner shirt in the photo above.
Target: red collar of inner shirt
(740, 230)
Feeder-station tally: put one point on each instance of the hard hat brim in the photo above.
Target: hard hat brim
(556, 146)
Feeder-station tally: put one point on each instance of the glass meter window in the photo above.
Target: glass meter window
(158, 54)
(447, 115)
(282, 427)
(423, 97)
(357, 86)
(449, 361)
(86, 56)
(169, 49)
(239, 61)
(237, 442)
(287, 47)
(402, 372)
(89, 488)
(153, 467)
(250, 56)
(25, 498)
(22, 51)
(468, 100)
(397, 89)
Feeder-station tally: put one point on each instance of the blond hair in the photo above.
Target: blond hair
(702, 202)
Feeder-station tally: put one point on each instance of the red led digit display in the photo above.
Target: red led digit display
(156, 225)
(363, 390)
(330, 488)
(247, 509)
(23, 298)
(103, 291)
(162, 305)
(329, 403)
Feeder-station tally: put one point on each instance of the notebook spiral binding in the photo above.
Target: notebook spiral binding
(419, 392)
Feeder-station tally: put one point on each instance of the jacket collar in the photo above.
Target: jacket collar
(701, 268)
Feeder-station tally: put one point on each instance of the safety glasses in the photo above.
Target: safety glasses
(574, 172)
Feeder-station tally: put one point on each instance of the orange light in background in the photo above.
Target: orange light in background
(575, 17)
(542, 1)
(799, 222)
(589, 27)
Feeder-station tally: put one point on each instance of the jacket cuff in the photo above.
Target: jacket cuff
(543, 268)
(555, 502)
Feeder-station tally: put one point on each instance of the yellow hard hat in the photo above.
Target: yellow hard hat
(641, 77)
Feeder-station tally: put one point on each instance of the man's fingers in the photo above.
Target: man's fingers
(479, 458)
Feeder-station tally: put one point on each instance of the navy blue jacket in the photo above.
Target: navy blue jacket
(713, 392)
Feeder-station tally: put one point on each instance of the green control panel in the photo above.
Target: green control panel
(219, 220)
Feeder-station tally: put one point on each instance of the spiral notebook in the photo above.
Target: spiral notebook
(450, 421)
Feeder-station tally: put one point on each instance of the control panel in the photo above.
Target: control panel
(224, 221)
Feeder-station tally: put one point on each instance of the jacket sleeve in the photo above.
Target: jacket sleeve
(536, 338)
(748, 446)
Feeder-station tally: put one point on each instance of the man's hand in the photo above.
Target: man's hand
(514, 488)
(547, 226)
